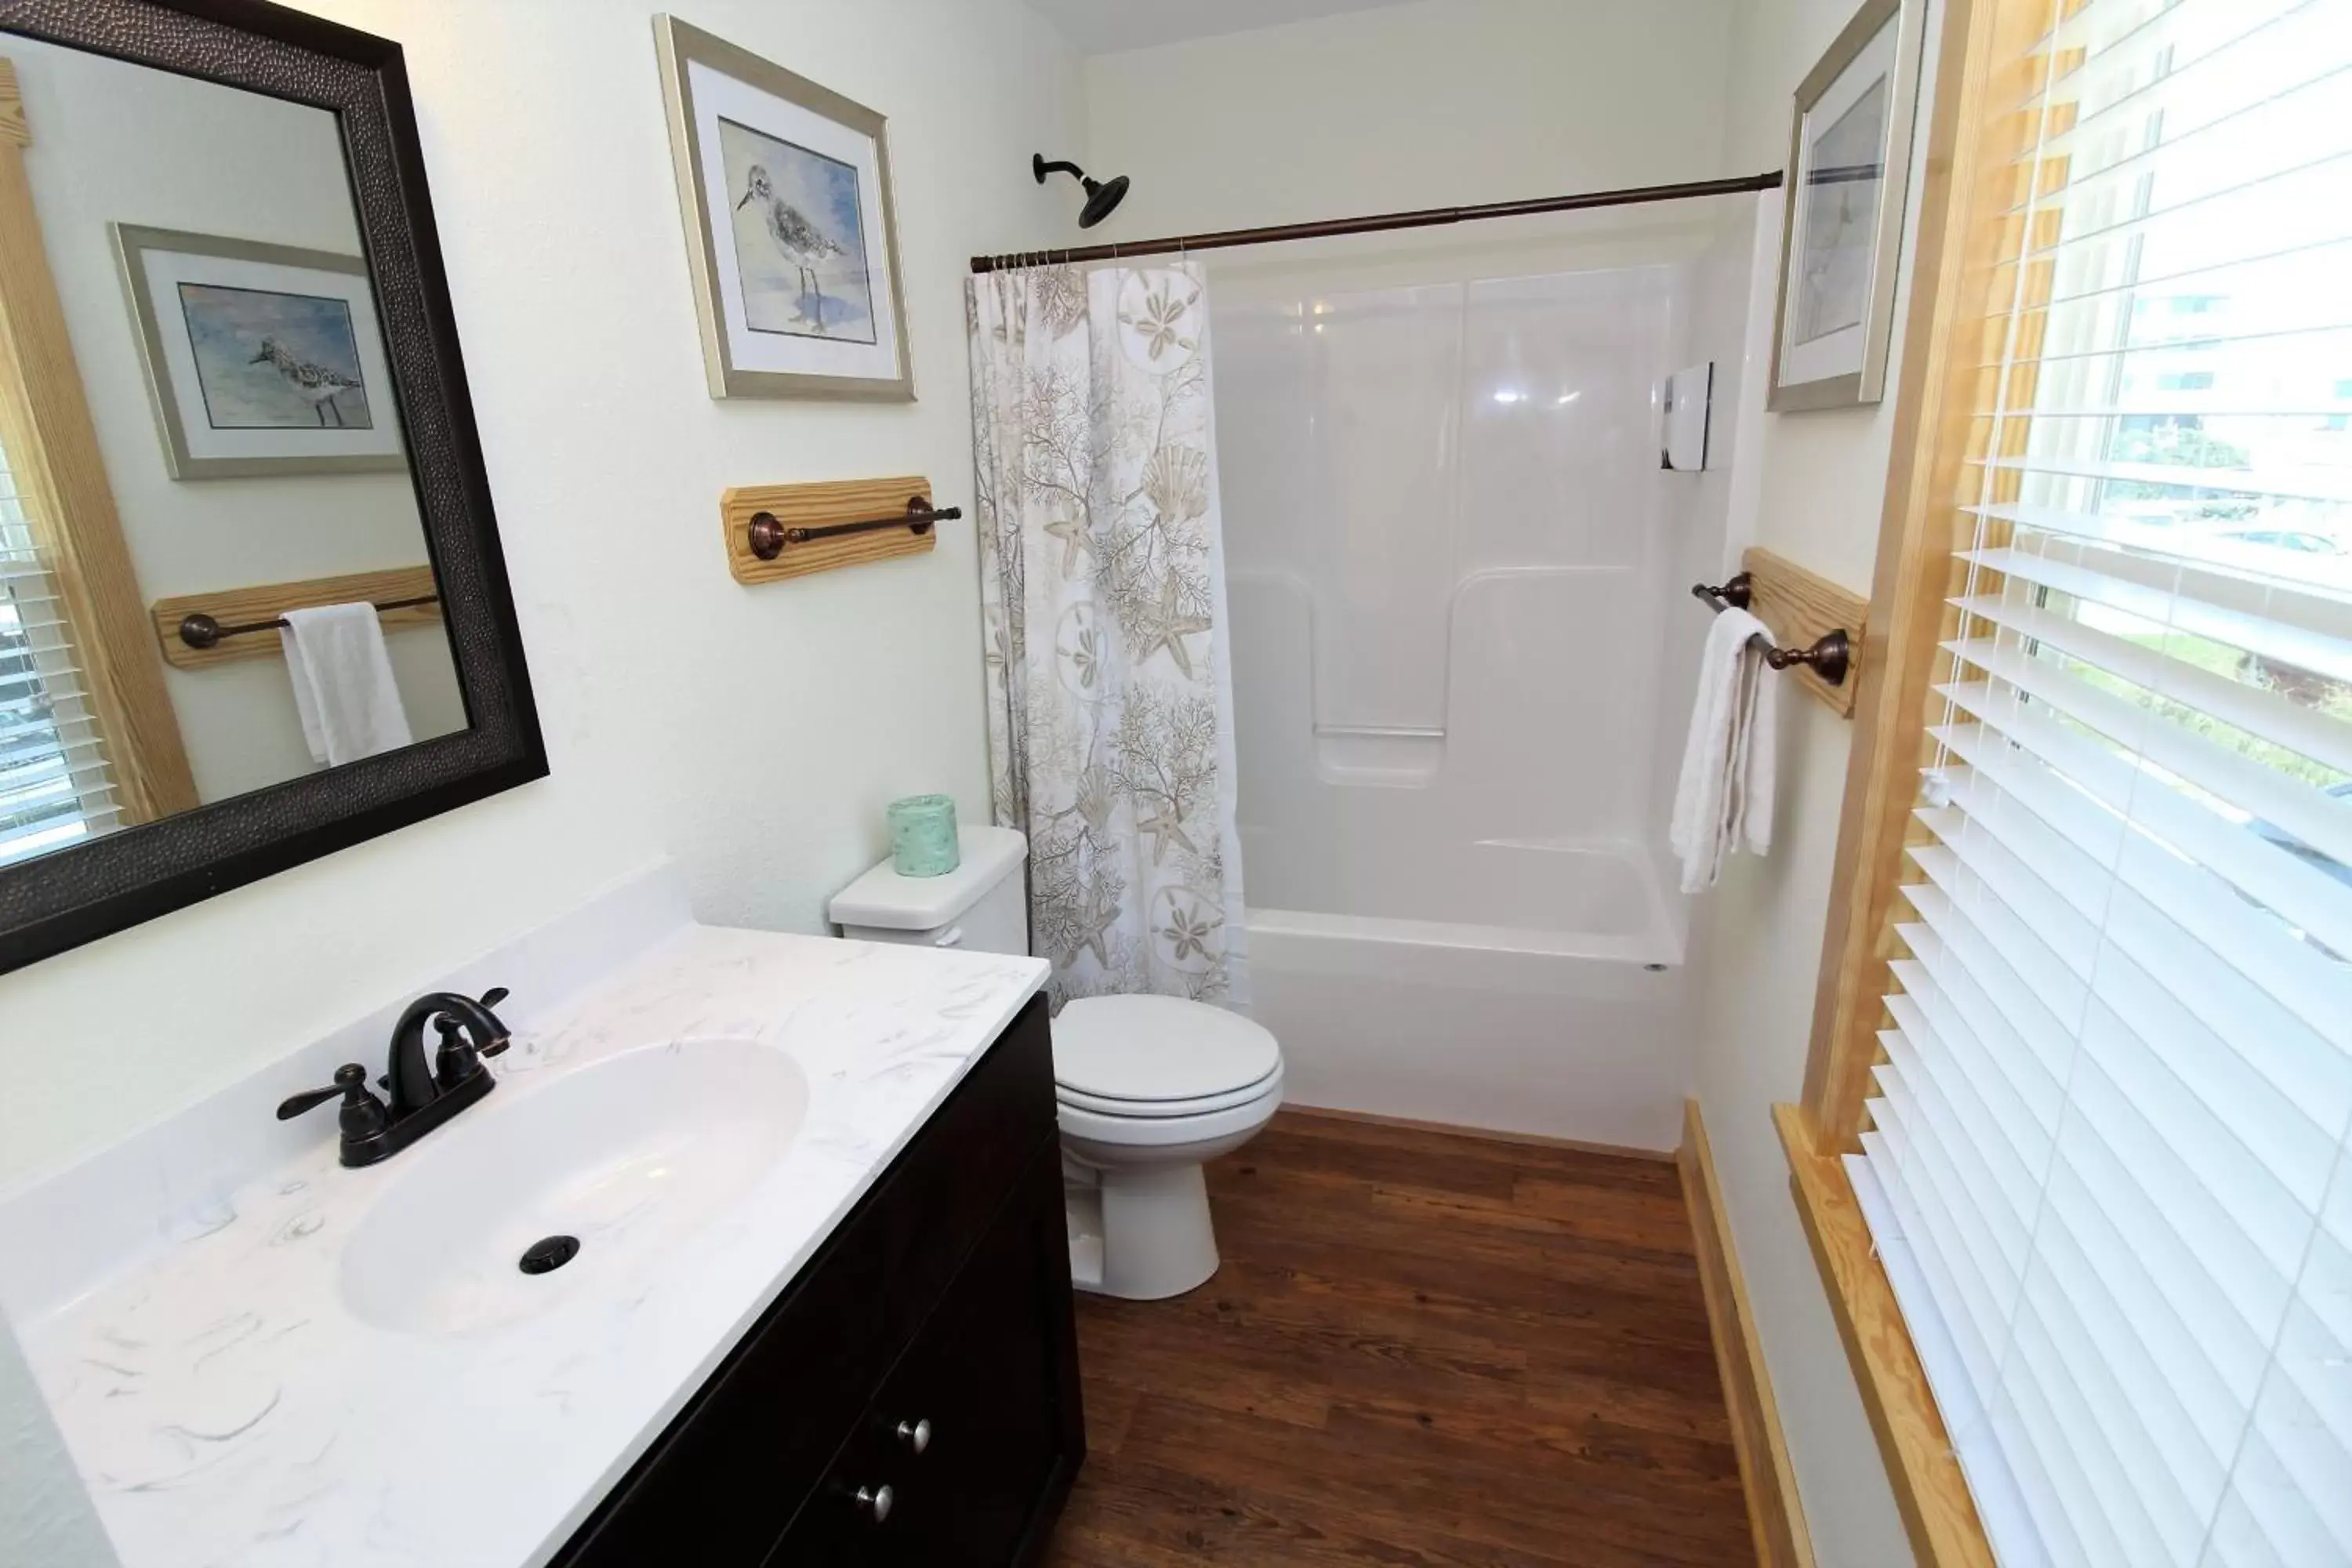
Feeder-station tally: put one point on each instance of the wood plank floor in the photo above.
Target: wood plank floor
(1423, 1349)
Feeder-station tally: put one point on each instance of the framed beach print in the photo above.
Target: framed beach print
(785, 190)
(261, 359)
(1842, 237)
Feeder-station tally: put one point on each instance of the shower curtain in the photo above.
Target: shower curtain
(1110, 707)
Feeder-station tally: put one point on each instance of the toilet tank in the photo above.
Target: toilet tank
(982, 905)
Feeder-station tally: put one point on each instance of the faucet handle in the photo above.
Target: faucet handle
(459, 1057)
(363, 1116)
(489, 999)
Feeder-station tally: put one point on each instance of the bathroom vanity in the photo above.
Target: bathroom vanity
(913, 1398)
(819, 1313)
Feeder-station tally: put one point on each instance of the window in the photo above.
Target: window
(2093, 1109)
(53, 781)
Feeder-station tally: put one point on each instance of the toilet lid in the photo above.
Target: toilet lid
(1157, 1049)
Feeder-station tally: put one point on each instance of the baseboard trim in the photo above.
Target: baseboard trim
(1776, 1516)
(1491, 1135)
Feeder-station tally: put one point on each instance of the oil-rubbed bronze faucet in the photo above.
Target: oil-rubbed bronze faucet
(422, 1098)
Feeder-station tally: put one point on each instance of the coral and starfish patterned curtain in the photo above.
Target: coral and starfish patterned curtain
(1102, 577)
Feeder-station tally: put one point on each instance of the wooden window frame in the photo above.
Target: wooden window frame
(52, 445)
(1954, 329)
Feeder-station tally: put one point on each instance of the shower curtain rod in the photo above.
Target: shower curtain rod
(1429, 217)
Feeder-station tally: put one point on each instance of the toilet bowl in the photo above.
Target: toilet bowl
(1149, 1087)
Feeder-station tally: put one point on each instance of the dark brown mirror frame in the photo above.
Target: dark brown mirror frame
(73, 896)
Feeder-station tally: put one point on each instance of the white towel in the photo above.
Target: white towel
(1724, 799)
(342, 683)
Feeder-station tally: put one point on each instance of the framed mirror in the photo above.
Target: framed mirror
(252, 604)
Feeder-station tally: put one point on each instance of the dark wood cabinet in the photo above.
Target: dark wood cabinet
(913, 1396)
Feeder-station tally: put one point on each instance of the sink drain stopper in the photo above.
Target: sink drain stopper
(548, 1254)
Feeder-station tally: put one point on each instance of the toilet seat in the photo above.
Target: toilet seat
(1155, 1058)
(1120, 1105)
(1169, 1135)
(1165, 1110)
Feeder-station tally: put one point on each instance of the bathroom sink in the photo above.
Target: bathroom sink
(577, 1188)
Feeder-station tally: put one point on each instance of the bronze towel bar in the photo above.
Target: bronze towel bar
(768, 537)
(1830, 655)
(200, 630)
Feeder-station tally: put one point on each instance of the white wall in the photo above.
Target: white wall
(1435, 104)
(753, 733)
(1818, 483)
(115, 143)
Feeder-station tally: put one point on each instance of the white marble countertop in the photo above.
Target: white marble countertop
(225, 1406)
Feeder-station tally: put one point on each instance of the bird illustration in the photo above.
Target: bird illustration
(314, 383)
(803, 244)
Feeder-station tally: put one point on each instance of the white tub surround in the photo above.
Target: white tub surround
(226, 1406)
(1463, 643)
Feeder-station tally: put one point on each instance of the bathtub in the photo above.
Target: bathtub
(1567, 1020)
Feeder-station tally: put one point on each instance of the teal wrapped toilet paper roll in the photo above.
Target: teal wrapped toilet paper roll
(923, 836)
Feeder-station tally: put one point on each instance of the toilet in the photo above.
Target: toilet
(1151, 1087)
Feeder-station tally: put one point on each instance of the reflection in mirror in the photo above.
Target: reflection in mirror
(244, 595)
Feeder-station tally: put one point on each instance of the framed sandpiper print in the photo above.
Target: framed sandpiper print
(261, 359)
(784, 187)
(1842, 236)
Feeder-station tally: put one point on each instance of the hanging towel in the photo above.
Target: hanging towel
(1724, 799)
(343, 688)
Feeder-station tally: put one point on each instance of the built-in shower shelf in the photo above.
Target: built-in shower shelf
(1802, 608)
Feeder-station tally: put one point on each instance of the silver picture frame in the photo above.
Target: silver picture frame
(174, 365)
(1841, 227)
(796, 278)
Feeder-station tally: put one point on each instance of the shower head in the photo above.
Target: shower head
(1102, 195)
(1101, 199)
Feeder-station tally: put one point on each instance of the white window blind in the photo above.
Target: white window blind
(54, 783)
(2106, 1160)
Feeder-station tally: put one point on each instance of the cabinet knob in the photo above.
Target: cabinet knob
(915, 1435)
(876, 1502)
